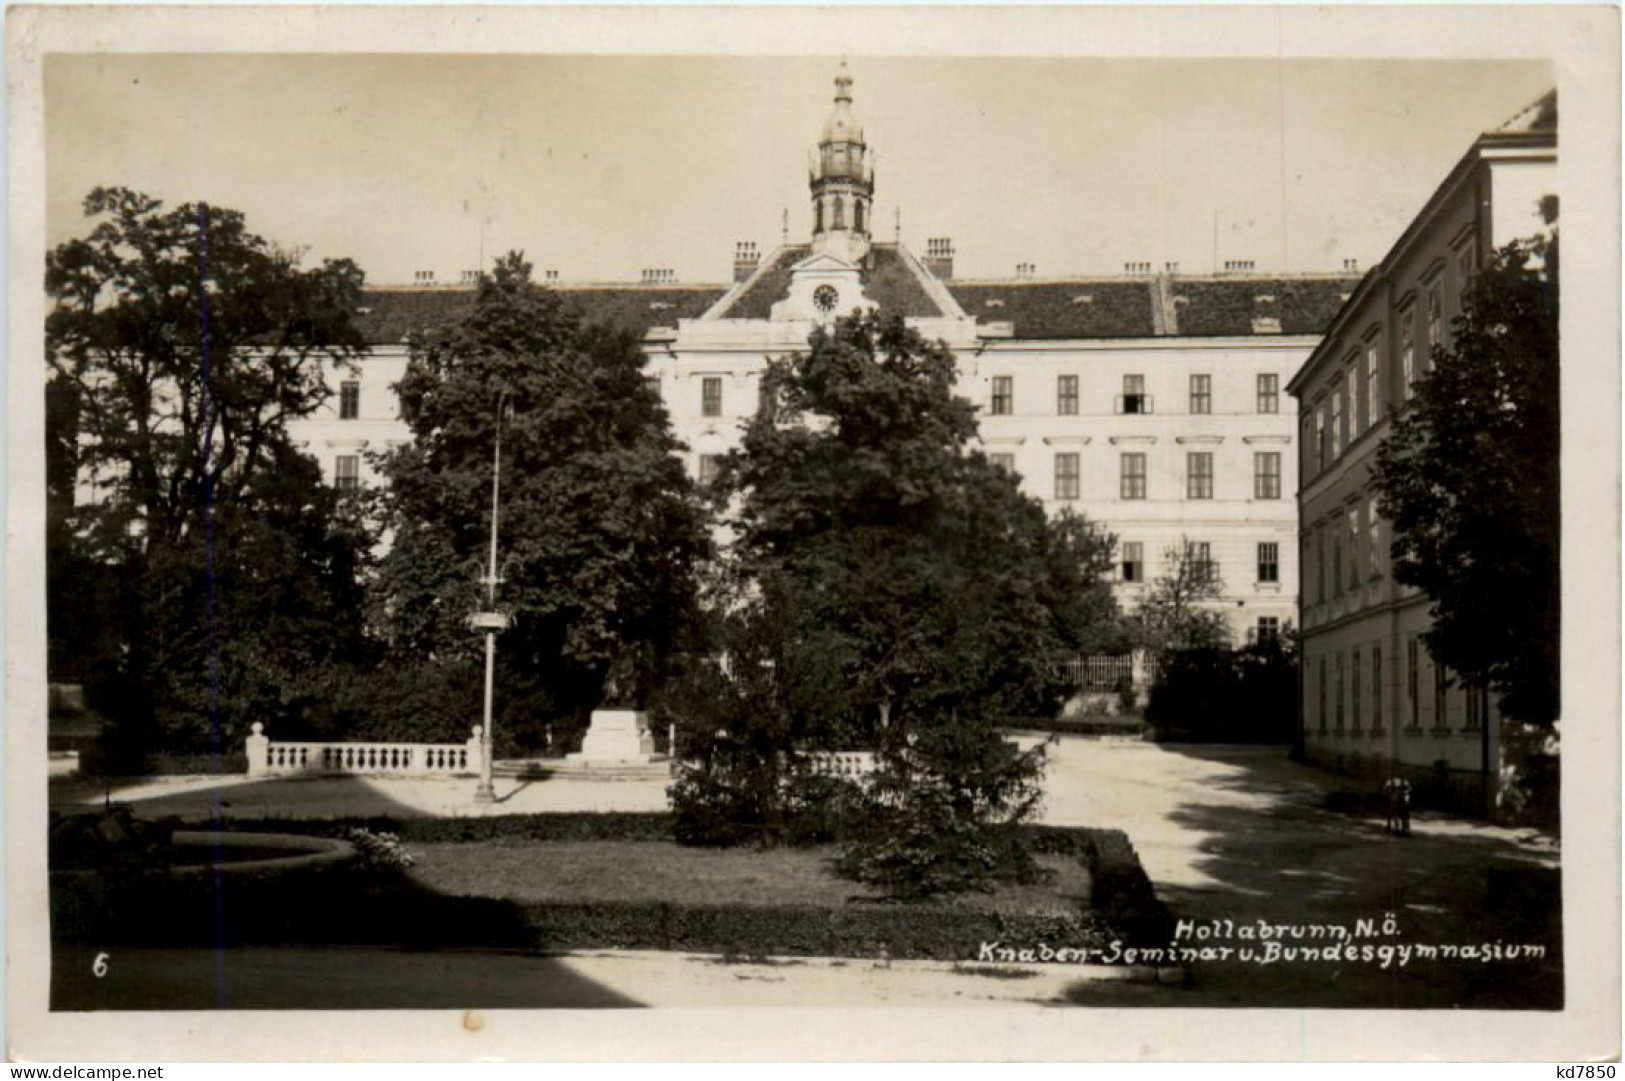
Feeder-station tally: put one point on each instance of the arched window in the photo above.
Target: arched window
(840, 214)
(857, 215)
(818, 216)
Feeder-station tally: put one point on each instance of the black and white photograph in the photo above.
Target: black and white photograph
(1058, 514)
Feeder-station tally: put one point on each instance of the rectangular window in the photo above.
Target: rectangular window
(1339, 689)
(711, 396)
(1269, 561)
(1066, 395)
(1132, 467)
(709, 464)
(1320, 437)
(1412, 698)
(1337, 559)
(1201, 394)
(1435, 320)
(1199, 475)
(1269, 392)
(1373, 542)
(1373, 384)
(1466, 266)
(1320, 564)
(1003, 395)
(349, 400)
(1203, 569)
(1407, 351)
(1133, 561)
(347, 472)
(1005, 461)
(1441, 697)
(1376, 690)
(766, 398)
(1354, 547)
(1352, 392)
(1320, 694)
(1337, 422)
(1354, 691)
(1268, 630)
(1267, 474)
(1478, 707)
(1066, 475)
(1135, 399)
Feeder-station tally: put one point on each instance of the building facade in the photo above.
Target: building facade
(1154, 402)
(1373, 700)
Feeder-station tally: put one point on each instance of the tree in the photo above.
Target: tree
(1178, 611)
(600, 527)
(1468, 477)
(888, 586)
(218, 570)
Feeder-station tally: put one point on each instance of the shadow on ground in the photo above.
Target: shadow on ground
(334, 938)
(1267, 851)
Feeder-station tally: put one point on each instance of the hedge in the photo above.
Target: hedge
(382, 908)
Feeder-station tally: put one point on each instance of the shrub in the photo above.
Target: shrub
(819, 809)
(922, 848)
(378, 851)
(710, 810)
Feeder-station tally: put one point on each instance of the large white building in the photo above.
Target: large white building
(1151, 401)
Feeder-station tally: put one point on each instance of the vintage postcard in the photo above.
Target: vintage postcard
(968, 533)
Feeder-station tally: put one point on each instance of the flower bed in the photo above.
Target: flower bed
(422, 909)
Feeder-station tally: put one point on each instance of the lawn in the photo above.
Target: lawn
(524, 870)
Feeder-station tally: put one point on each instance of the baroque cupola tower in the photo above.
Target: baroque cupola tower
(842, 179)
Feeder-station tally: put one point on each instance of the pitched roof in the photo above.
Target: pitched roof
(1062, 309)
(767, 286)
(890, 279)
(387, 316)
(1056, 308)
(1157, 306)
(1245, 306)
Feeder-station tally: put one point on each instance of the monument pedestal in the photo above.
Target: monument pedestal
(616, 736)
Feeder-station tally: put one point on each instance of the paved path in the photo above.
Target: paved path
(1224, 833)
(1239, 833)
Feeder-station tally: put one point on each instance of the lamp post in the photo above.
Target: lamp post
(490, 621)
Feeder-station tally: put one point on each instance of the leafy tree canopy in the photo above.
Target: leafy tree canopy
(1178, 611)
(881, 566)
(1469, 478)
(199, 569)
(599, 527)
(188, 343)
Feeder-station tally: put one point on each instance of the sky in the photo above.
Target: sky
(600, 167)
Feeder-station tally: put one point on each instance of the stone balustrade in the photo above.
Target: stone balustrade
(268, 758)
(852, 764)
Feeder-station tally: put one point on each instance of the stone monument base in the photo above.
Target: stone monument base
(616, 736)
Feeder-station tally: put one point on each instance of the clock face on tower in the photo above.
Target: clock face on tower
(825, 297)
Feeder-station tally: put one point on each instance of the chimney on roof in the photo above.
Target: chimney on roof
(470, 277)
(551, 275)
(746, 260)
(1137, 269)
(659, 276)
(1238, 266)
(1170, 268)
(1351, 266)
(939, 257)
(1026, 270)
(423, 277)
